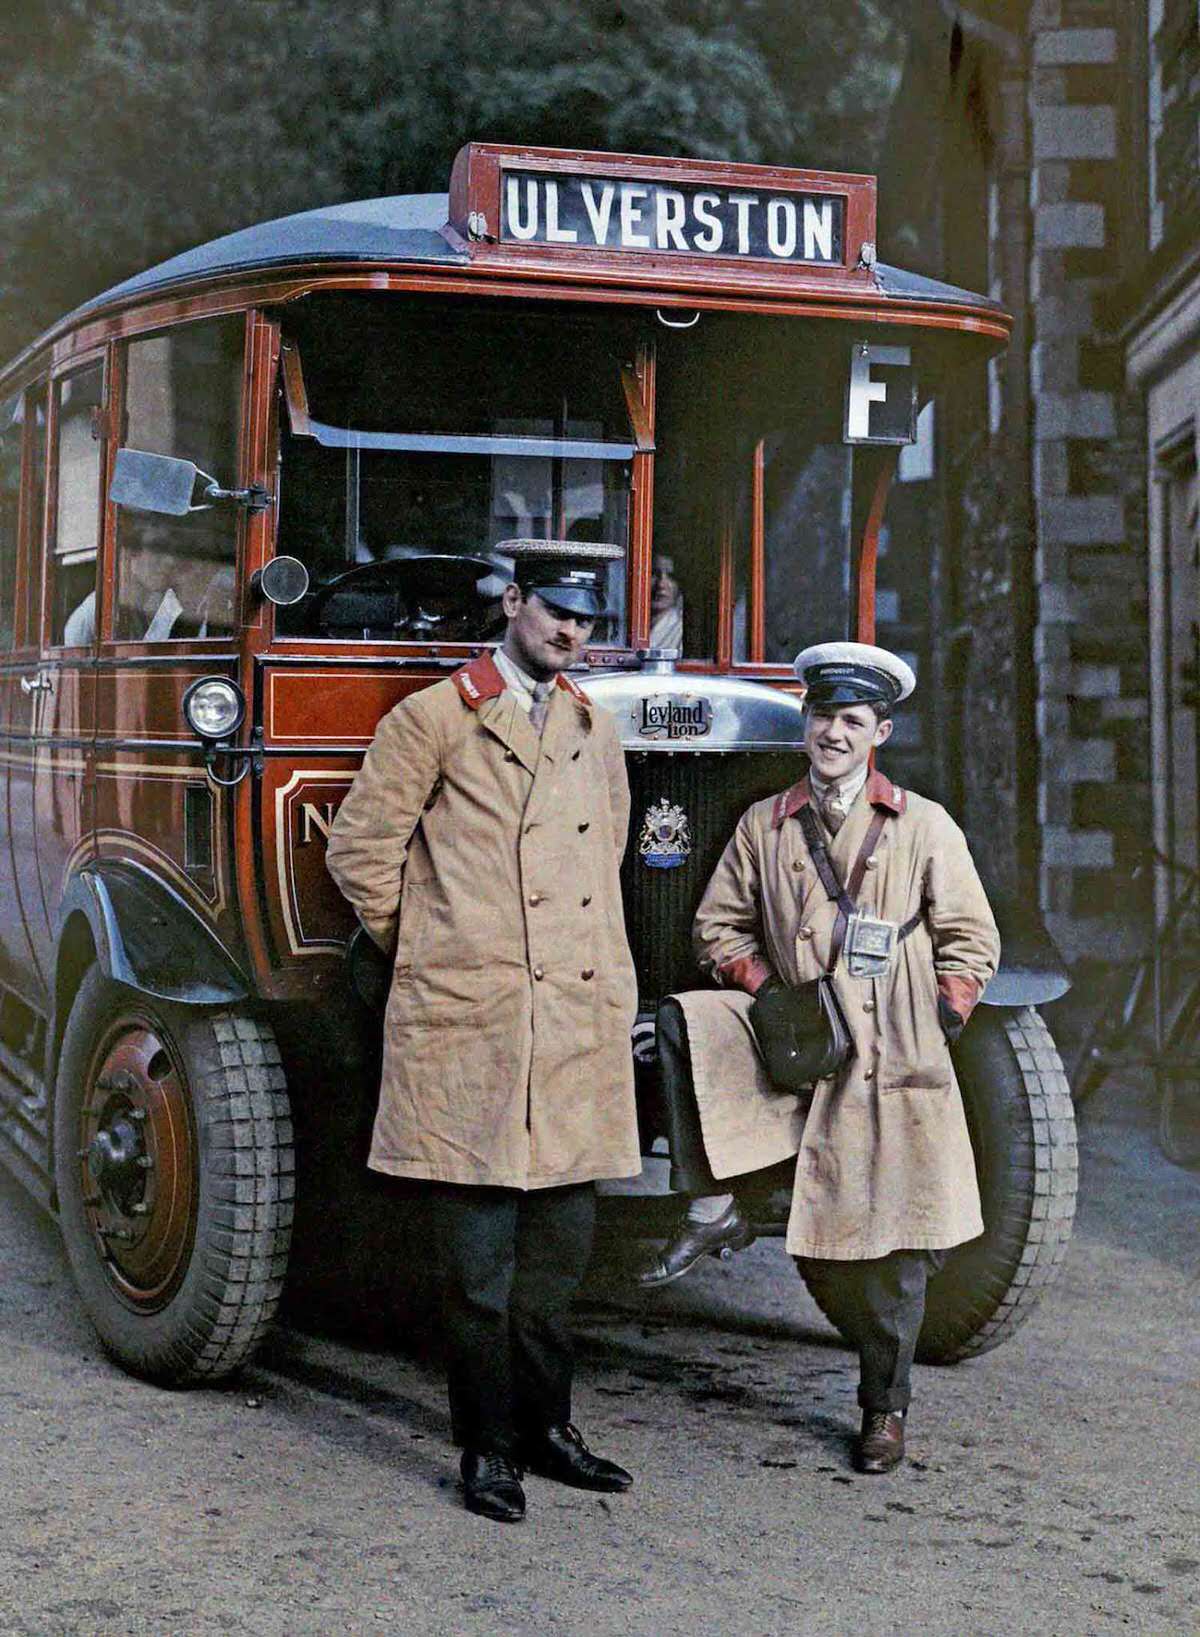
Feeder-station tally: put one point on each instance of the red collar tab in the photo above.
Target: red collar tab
(479, 681)
(573, 688)
(881, 792)
(789, 802)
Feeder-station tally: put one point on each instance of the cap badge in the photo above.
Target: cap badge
(666, 839)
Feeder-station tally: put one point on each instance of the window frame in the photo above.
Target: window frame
(76, 365)
(243, 520)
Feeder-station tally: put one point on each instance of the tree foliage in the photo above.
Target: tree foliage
(134, 132)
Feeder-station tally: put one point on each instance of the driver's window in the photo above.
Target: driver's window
(175, 576)
(419, 442)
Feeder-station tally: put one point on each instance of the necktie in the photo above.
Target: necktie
(540, 707)
(832, 814)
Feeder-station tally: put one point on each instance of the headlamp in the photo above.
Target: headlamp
(213, 708)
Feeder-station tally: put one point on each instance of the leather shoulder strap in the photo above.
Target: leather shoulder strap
(843, 897)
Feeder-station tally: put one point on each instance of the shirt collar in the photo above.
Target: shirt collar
(516, 678)
(840, 795)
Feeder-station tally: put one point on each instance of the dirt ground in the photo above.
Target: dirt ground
(1054, 1486)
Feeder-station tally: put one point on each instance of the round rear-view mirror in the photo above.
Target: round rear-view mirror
(282, 581)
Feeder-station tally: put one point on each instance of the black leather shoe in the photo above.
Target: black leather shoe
(880, 1445)
(679, 1255)
(492, 1485)
(560, 1453)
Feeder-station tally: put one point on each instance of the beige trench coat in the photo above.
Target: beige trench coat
(488, 859)
(885, 1159)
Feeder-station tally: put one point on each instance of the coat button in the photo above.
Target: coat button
(868, 1005)
(589, 972)
(538, 973)
(584, 902)
(805, 932)
(797, 863)
(510, 755)
(872, 863)
(868, 1074)
(585, 825)
(535, 897)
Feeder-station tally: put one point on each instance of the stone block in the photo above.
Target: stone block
(1054, 365)
(1055, 605)
(1074, 415)
(1049, 183)
(1051, 469)
(1053, 722)
(1082, 520)
(1125, 710)
(1086, 759)
(1072, 132)
(1067, 314)
(1096, 681)
(1047, 275)
(1059, 47)
(1051, 645)
(1045, 14)
(1065, 226)
(1047, 87)
(1077, 849)
(1051, 562)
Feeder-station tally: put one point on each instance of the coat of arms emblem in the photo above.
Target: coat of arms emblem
(666, 839)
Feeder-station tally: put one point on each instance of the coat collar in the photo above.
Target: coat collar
(879, 791)
(483, 689)
(481, 680)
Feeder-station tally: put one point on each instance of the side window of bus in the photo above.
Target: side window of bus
(12, 426)
(175, 576)
(76, 531)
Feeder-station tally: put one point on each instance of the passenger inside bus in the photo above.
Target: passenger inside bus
(666, 604)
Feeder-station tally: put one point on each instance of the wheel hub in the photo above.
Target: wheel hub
(118, 1163)
(138, 1163)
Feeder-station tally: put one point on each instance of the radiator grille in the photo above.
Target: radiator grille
(714, 791)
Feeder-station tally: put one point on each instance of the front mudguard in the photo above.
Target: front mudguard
(1031, 972)
(148, 937)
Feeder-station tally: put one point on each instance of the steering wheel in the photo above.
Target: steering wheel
(373, 594)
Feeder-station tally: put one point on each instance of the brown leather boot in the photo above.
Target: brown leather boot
(880, 1445)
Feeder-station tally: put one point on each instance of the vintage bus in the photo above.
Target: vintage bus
(250, 499)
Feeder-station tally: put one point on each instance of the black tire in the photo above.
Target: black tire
(1022, 1125)
(175, 1179)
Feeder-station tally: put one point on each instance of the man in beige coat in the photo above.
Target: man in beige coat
(480, 846)
(885, 1175)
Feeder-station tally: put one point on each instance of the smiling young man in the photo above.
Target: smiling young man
(480, 845)
(885, 1177)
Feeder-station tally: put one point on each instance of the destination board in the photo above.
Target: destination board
(672, 218)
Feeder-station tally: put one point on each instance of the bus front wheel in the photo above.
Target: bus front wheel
(175, 1177)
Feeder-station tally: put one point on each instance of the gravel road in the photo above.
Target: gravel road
(1054, 1486)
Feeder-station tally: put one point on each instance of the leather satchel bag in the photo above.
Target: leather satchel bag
(802, 1032)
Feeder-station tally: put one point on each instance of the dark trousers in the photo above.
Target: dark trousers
(880, 1303)
(511, 1263)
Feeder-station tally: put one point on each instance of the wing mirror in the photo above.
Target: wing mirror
(161, 483)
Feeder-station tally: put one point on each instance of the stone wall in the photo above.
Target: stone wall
(1089, 570)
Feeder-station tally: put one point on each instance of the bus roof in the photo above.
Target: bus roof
(417, 230)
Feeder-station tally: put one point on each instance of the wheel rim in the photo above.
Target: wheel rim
(137, 1159)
